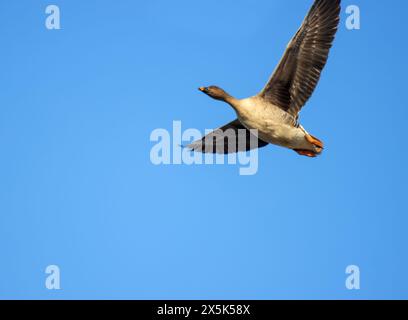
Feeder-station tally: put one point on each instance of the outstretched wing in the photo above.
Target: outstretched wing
(298, 73)
(231, 138)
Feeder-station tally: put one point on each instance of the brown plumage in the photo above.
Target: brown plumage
(298, 73)
(273, 113)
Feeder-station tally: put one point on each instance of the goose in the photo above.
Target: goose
(272, 116)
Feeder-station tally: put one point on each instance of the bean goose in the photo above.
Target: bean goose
(271, 117)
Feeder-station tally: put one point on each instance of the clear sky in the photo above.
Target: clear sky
(78, 189)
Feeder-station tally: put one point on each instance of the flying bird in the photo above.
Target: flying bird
(272, 116)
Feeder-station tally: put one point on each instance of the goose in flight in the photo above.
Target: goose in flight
(271, 117)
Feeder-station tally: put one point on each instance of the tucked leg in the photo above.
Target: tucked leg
(313, 140)
(306, 153)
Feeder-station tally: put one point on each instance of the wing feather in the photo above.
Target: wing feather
(231, 138)
(299, 70)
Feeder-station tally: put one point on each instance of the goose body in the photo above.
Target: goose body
(274, 125)
(271, 116)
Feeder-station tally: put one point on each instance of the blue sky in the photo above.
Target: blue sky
(78, 189)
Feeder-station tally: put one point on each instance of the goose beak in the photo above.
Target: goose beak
(202, 89)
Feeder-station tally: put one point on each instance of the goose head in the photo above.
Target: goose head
(215, 93)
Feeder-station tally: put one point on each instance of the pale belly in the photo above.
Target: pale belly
(278, 134)
(273, 125)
